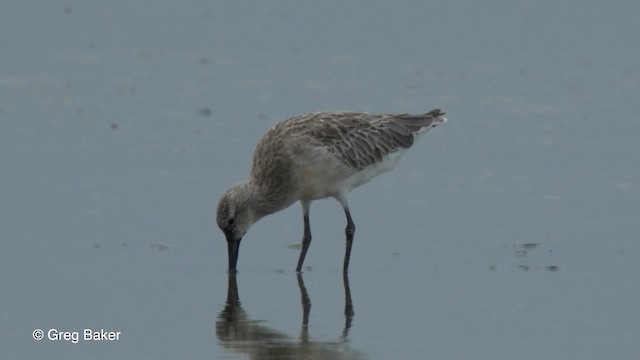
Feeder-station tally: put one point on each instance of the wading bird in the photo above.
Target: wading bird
(314, 156)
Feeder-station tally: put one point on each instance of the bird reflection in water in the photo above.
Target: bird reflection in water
(239, 333)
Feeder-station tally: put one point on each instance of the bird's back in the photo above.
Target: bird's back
(361, 139)
(313, 155)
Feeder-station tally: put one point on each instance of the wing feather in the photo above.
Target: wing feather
(360, 139)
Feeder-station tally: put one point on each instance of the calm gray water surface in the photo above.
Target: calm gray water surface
(509, 233)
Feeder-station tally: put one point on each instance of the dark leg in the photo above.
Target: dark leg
(306, 238)
(349, 231)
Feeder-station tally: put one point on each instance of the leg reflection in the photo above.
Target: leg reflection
(348, 306)
(306, 308)
(238, 333)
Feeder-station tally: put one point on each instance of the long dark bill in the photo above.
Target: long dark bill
(233, 247)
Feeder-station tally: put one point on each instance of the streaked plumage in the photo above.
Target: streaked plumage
(314, 156)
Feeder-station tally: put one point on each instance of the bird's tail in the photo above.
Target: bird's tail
(438, 117)
(419, 124)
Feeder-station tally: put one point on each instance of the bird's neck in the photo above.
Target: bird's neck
(269, 198)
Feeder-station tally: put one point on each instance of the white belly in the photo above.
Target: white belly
(339, 179)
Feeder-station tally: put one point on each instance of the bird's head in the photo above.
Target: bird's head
(235, 216)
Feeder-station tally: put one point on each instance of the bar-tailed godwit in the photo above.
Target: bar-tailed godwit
(314, 156)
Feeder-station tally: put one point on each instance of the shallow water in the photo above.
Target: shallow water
(509, 232)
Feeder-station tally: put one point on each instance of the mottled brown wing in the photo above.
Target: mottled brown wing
(360, 139)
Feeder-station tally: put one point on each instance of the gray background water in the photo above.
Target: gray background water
(509, 233)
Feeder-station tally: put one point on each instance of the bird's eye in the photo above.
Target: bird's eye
(231, 221)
